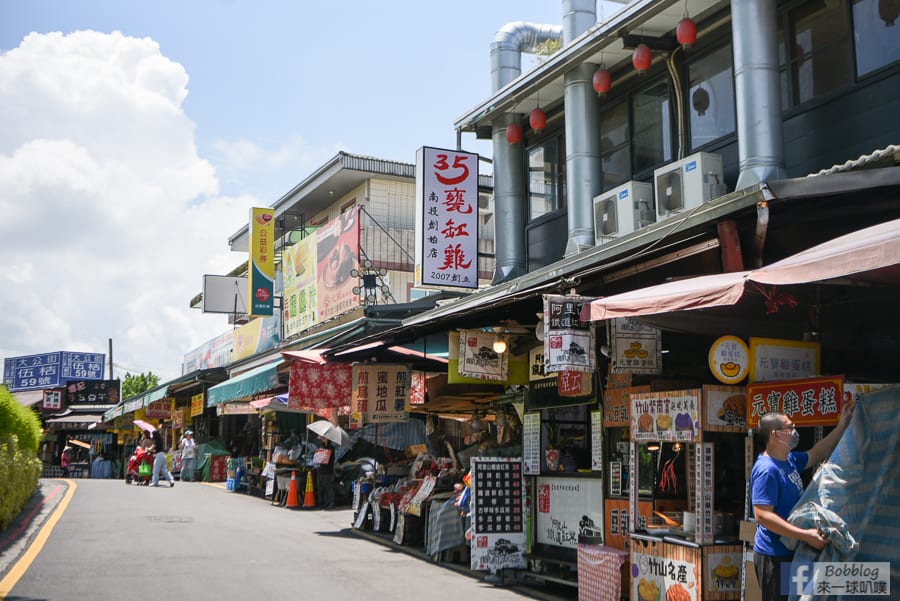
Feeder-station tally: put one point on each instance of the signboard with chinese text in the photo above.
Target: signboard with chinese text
(776, 359)
(498, 514)
(807, 402)
(544, 390)
(618, 519)
(300, 274)
(51, 370)
(729, 359)
(337, 252)
(478, 359)
(52, 399)
(656, 577)
(568, 341)
(381, 393)
(617, 405)
(704, 489)
(597, 441)
(726, 408)
(197, 404)
(723, 571)
(531, 442)
(446, 218)
(574, 383)
(261, 267)
(161, 409)
(92, 392)
(634, 347)
(259, 335)
(567, 508)
(666, 416)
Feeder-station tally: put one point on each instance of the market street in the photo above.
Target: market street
(116, 541)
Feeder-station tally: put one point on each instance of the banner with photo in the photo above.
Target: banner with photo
(380, 393)
(337, 254)
(300, 264)
(568, 341)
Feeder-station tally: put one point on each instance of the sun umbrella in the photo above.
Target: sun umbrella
(335, 434)
(145, 425)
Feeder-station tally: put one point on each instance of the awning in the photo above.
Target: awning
(260, 379)
(871, 254)
(274, 403)
(77, 418)
(29, 397)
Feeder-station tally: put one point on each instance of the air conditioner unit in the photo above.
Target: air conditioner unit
(623, 210)
(688, 183)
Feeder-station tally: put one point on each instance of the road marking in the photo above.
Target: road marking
(20, 567)
(27, 520)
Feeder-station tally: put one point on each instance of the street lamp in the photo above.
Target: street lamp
(371, 280)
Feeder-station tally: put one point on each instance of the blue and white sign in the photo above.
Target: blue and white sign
(51, 370)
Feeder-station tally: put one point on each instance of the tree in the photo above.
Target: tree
(135, 385)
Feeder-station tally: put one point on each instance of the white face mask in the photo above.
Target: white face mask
(793, 441)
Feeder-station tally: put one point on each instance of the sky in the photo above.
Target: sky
(136, 136)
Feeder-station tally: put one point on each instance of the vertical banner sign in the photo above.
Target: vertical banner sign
(381, 393)
(197, 404)
(568, 341)
(300, 273)
(531, 442)
(705, 487)
(446, 218)
(596, 441)
(262, 262)
(498, 522)
(337, 252)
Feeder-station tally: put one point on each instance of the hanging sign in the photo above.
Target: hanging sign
(617, 405)
(381, 393)
(161, 409)
(261, 265)
(807, 402)
(704, 487)
(776, 359)
(726, 408)
(568, 341)
(666, 416)
(729, 359)
(478, 359)
(634, 347)
(531, 442)
(574, 383)
(498, 516)
(446, 218)
(52, 399)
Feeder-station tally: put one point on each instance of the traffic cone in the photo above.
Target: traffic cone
(293, 498)
(309, 500)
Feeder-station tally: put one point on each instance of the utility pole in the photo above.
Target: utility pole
(110, 361)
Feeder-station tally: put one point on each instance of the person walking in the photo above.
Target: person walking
(325, 475)
(188, 454)
(161, 460)
(65, 461)
(775, 487)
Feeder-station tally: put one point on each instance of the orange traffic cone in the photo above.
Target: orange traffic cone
(309, 500)
(293, 498)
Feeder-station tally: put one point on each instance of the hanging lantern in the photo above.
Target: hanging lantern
(602, 81)
(700, 100)
(513, 133)
(686, 32)
(538, 120)
(641, 58)
(888, 11)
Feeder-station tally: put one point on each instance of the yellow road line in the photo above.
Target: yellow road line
(20, 567)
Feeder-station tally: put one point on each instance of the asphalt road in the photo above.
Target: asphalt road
(97, 540)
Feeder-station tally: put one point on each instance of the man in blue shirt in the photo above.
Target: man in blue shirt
(776, 486)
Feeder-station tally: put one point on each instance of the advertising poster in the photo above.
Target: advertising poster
(661, 578)
(568, 341)
(337, 253)
(724, 572)
(478, 359)
(498, 514)
(197, 404)
(807, 401)
(726, 408)
(446, 218)
(92, 392)
(666, 416)
(213, 353)
(259, 335)
(300, 274)
(776, 359)
(566, 508)
(381, 393)
(261, 268)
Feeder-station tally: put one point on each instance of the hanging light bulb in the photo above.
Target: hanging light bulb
(499, 344)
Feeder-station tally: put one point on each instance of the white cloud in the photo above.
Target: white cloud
(108, 216)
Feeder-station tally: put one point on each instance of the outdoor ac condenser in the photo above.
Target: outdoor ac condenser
(688, 183)
(623, 210)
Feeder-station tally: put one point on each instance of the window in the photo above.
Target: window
(652, 143)
(814, 53)
(875, 31)
(710, 101)
(615, 146)
(546, 178)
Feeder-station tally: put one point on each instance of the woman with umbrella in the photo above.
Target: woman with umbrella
(328, 434)
(161, 461)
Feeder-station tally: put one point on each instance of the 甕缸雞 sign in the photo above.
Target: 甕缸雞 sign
(446, 218)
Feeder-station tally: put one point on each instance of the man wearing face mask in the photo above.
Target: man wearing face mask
(775, 487)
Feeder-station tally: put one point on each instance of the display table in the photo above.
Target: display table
(600, 572)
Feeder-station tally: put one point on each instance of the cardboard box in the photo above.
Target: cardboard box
(752, 592)
(748, 531)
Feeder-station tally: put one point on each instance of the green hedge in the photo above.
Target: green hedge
(20, 468)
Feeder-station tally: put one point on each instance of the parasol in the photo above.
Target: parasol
(335, 434)
(145, 425)
(78, 443)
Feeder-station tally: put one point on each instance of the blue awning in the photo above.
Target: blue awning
(258, 379)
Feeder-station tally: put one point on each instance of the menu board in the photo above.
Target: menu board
(597, 441)
(498, 515)
(567, 508)
(666, 416)
(531, 443)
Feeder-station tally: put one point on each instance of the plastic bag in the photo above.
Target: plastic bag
(145, 470)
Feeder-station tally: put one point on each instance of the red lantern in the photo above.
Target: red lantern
(602, 81)
(513, 133)
(686, 32)
(641, 58)
(538, 120)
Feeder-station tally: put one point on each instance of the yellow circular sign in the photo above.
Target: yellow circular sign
(729, 359)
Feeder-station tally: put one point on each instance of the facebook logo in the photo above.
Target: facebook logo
(797, 578)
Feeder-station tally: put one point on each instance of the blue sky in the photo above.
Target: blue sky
(134, 141)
